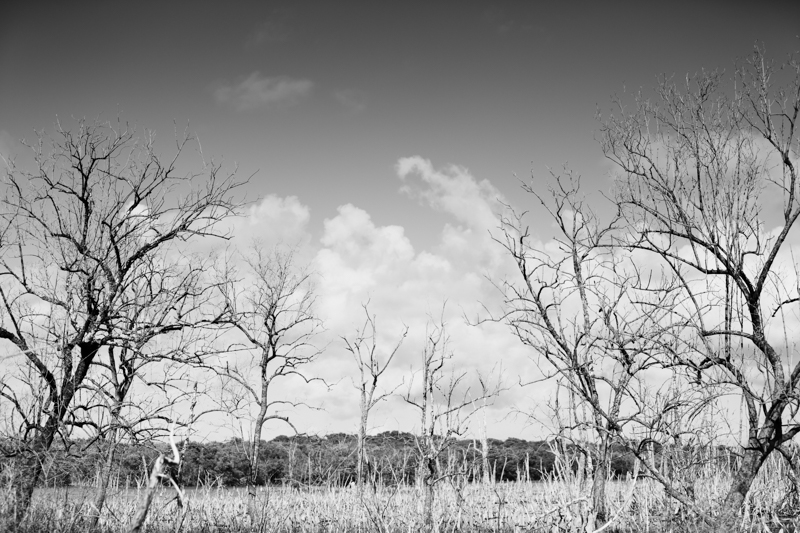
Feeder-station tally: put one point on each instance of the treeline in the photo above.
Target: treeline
(317, 461)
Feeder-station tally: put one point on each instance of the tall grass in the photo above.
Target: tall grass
(558, 503)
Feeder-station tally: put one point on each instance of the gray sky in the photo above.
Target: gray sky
(321, 101)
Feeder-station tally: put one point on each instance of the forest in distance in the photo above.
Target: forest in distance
(664, 330)
(315, 461)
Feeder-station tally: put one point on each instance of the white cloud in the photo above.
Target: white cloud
(360, 261)
(475, 206)
(357, 260)
(352, 234)
(277, 219)
(257, 91)
(273, 221)
(452, 190)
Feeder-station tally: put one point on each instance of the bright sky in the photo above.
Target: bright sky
(380, 135)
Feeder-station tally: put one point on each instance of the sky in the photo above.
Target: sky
(382, 138)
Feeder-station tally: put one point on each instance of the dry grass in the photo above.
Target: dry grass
(548, 506)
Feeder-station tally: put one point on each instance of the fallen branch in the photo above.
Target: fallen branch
(156, 474)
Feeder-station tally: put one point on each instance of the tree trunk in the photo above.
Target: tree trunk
(255, 444)
(742, 481)
(487, 475)
(362, 443)
(252, 477)
(102, 484)
(599, 483)
(428, 485)
(28, 469)
(251, 502)
(31, 463)
(26, 474)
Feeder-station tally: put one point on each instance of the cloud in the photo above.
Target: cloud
(259, 92)
(275, 221)
(474, 204)
(362, 261)
(452, 190)
(352, 99)
(283, 218)
(357, 260)
(454, 270)
(354, 236)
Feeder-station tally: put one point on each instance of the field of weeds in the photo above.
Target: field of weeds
(557, 505)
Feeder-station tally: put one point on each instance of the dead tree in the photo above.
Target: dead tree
(576, 304)
(271, 302)
(100, 209)
(445, 403)
(364, 347)
(122, 408)
(699, 170)
(141, 378)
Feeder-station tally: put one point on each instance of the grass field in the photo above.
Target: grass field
(545, 506)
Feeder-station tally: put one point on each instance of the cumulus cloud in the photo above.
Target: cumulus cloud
(275, 221)
(258, 92)
(353, 235)
(357, 260)
(361, 261)
(279, 219)
(452, 190)
(475, 206)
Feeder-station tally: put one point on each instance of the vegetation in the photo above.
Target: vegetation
(308, 461)
(558, 500)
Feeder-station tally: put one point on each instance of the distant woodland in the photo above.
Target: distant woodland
(314, 461)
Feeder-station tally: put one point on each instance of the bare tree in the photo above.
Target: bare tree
(364, 347)
(141, 378)
(708, 188)
(82, 234)
(572, 306)
(136, 395)
(445, 403)
(272, 313)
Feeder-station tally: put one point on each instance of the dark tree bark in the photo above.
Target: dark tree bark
(79, 232)
(695, 169)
